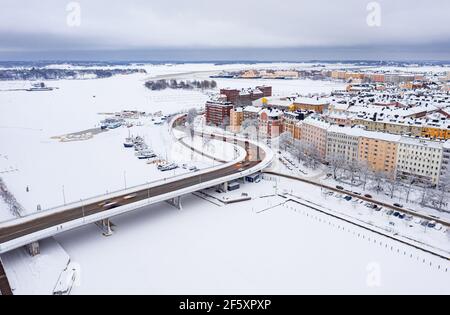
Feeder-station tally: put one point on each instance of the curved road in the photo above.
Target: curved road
(11, 231)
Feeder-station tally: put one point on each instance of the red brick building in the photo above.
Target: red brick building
(218, 112)
(245, 97)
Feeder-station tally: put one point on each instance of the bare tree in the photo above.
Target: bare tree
(336, 162)
(313, 157)
(190, 120)
(285, 140)
(364, 172)
(443, 192)
(378, 177)
(426, 190)
(392, 183)
(408, 185)
(352, 167)
(298, 150)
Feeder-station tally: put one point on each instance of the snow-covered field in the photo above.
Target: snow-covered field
(36, 275)
(5, 214)
(210, 249)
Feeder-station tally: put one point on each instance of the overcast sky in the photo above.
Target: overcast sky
(40, 28)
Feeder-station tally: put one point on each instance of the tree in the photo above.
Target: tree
(225, 123)
(336, 162)
(426, 189)
(443, 192)
(297, 150)
(312, 156)
(378, 177)
(285, 140)
(352, 167)
(364, 172)
(190, 120)
(408, 185)
(392, 183)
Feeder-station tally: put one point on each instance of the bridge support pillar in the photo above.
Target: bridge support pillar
(175, 202)
(225, 187)
(33, 249)
(105, 226)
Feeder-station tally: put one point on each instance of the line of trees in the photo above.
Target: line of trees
(15, 208)
(359, 173)
(185, 85)
(435, 196)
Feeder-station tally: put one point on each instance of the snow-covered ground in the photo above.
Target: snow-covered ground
(37, 275)
(258, 247)
(5, 214)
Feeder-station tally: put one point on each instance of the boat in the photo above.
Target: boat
(167, 167)
(129, 143)
(146, 154)
(37, 87)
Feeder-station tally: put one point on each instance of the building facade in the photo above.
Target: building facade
(420, 158)
(343, 142)
(218, 113)
(236, 119)
(314, 132)
(379, 151)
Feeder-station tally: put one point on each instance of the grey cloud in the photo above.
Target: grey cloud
(143, 25)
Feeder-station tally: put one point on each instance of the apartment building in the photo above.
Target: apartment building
(445, 164)
(292, 123)
(314, 132)
(406, 126)
(421, 158)
(218, 112)
(316, 104)
(251, 113)
(270, 123)
(236, 119)
(379, 150)
(343, 142)
(245, 97)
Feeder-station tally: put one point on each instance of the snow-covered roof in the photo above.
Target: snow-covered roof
(312, 101)
(252, 109)
(420, 142)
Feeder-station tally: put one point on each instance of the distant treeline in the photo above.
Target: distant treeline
(57, 74)
(186, 85)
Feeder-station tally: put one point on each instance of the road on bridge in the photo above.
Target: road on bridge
(54, 219)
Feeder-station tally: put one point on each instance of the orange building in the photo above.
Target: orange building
(379, 150)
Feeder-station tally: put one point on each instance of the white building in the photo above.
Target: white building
(445, 166)
(421, 158)
(343, 142)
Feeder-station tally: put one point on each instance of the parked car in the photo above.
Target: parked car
(390, 212)
(348, 198)
(432, 224)
(409, 218)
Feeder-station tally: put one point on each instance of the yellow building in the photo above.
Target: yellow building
(436, 133)
(236, 119)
